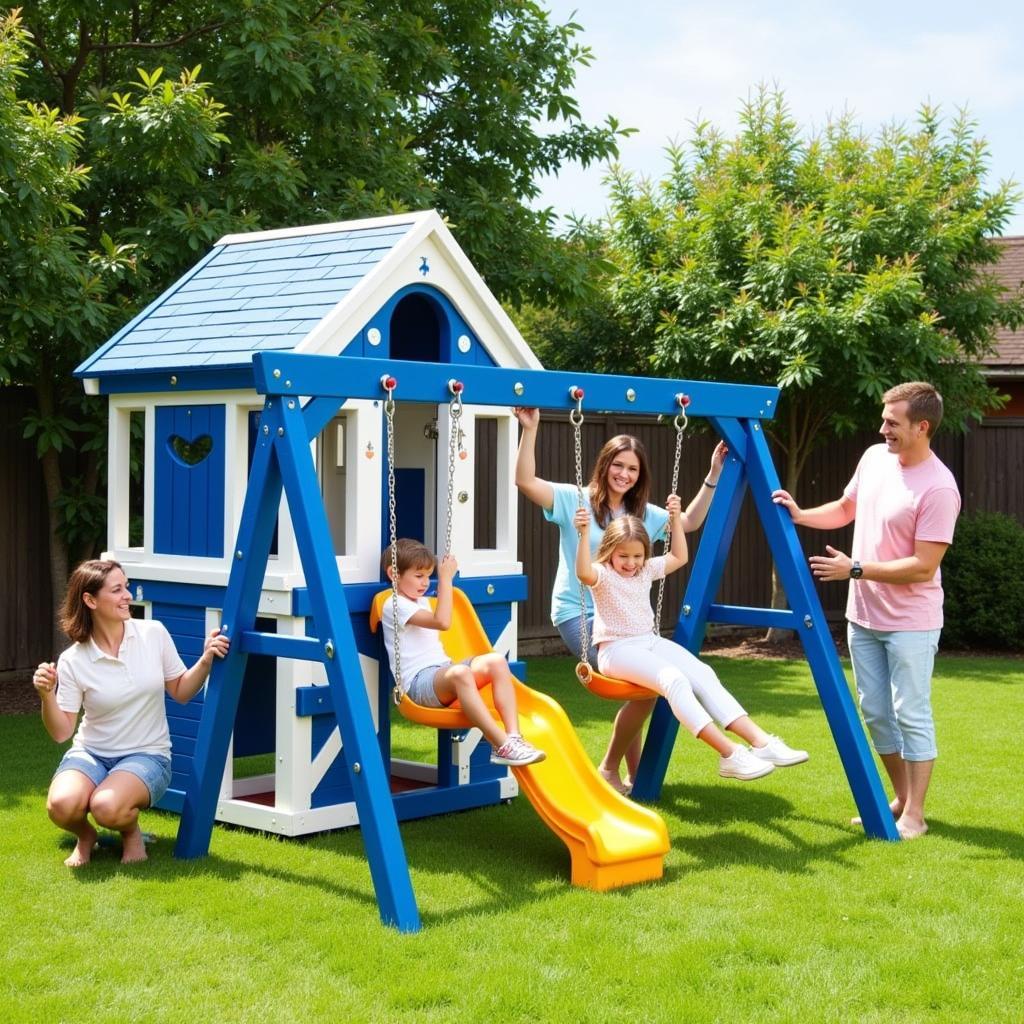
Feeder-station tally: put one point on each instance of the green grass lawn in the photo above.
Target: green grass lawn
(773, 908)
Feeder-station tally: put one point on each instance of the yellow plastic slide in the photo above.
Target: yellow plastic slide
(612, 841)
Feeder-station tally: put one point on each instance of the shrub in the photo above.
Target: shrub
(983, 577)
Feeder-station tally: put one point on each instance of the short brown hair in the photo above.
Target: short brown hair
(411, 554)
(88, 578)
(619, 531)
(923, 402)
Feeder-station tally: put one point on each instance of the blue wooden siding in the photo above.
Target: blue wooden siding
(244, 298)
(451, 325)
(189, 499)
(187, 626)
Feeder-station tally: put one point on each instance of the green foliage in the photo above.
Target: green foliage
(833, 265)
(333, 111)
(133, 136)
(983, 583)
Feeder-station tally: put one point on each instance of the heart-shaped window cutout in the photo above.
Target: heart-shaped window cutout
(190, 453)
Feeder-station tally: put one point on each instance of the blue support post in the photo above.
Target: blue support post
(333, 625)
(703, 584)
(821, 654)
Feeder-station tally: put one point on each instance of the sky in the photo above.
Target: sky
(659, 66)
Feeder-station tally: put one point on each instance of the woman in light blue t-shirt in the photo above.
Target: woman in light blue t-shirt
(619, 484)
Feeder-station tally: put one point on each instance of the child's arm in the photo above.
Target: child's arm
(677, 555)
(584, 566)
(441, 617)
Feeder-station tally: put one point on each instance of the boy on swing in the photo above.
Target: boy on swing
(428, 676)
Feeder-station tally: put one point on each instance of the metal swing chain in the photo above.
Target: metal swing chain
(576, 419)
(389, 416)
(680, 425)
(454, 445)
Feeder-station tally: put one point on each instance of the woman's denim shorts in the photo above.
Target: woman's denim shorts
(153, 769)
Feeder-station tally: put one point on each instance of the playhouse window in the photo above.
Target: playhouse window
(485, 485)
(136, 477)
(333, 461)
(416, 329)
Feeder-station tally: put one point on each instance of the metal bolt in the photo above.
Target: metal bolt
(280, 431)
(490, 588)
(630, 395)
(291, 403)
(518, 387)
(768, 402)
(287, 383)
(174, 380)
(329, 648)
(357, 767)
(239, 555)
(266, 429)
(687, 609)
(277, 374)
(808, 622)
(463, 497)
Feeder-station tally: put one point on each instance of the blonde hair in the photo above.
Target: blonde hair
(88, 578)
(621, 530)
(923, 402)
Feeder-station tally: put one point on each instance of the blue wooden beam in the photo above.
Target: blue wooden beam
(280, 645)
(739, 615)
(287, 373)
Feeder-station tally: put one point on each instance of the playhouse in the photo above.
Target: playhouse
(181, 373)
(292, 392)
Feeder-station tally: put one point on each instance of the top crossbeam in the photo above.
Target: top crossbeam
(289, 373)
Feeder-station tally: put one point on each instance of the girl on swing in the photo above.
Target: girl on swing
(619, 485)
(620, 579)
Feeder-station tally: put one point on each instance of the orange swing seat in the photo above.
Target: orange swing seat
(610, 688)
(464, 639)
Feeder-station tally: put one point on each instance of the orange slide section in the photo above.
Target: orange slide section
(612, 841)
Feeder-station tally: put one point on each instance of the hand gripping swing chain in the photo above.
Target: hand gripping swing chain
(576, 419)
(389, 384)
(680, 424)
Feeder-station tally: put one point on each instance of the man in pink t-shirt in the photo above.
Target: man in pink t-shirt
(904, 503)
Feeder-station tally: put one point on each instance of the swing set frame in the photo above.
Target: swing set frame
(303, 393)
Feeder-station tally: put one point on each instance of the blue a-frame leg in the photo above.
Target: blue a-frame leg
(750, 467)
(283, 458)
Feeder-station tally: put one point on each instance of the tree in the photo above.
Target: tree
(323, 111)
(339, 109)
(833, 265)
(59, 294)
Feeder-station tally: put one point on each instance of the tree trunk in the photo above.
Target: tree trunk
(50, 462)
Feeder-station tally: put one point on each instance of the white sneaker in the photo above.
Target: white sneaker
(742, 764)
(776, 751)
(517, 753)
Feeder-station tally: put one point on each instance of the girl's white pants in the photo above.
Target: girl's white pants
(692, 689)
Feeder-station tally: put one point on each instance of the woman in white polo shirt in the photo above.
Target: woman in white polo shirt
(116, 671)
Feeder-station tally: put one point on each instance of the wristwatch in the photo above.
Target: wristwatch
(856, 572)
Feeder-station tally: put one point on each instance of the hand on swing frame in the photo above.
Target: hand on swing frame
(581, 520)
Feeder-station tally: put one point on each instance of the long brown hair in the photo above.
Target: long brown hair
(635, 499)
(88, 578)
(620, 530)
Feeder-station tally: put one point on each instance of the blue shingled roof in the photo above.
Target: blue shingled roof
(245, 297)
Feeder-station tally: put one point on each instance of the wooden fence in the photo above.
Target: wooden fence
(988, 464)
(24, 545)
